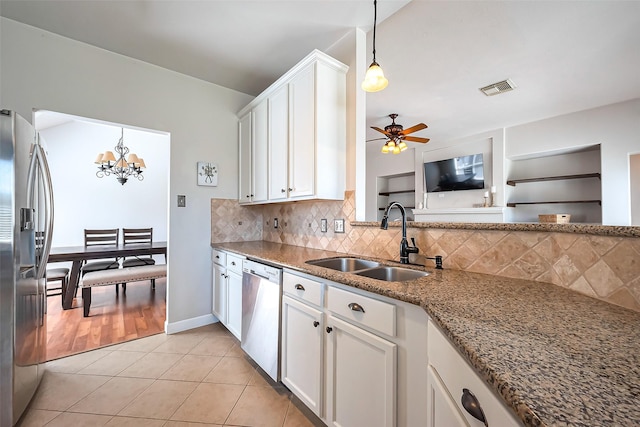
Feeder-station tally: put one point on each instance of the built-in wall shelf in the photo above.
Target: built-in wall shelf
(514, 204)
(388, 193)
(513, 182)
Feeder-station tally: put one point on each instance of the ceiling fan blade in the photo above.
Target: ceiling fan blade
(412, 129)
(416, 139)
(381, 130)
(377, 139)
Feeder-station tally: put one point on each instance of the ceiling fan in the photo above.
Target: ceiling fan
(396, 135)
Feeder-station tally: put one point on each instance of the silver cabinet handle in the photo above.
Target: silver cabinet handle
(471, 404)
(315, 323)
(356, 307)
(299, 287)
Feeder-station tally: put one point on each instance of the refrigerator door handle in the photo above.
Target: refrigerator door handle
(48, 210)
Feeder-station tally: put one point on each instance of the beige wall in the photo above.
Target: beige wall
(602, 267)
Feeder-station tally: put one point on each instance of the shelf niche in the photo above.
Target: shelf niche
(552, 183)
(396, 188)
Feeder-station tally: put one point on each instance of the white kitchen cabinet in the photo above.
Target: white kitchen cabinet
(234, 295)
(372, 366)
(259, 148)
(227, 290)
(361, 377)
(449, 376)
(306, 133)
(279, 144)
(440, 406)
(244, 153)
(302, 347)
(302, 143)
(219, 291)
(253, 146)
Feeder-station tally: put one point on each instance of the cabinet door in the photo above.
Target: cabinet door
(259, 157)
(441, 409)
(219, 303)
(278, 143)
(244, 131)
(234, 303)
(301, 365)
(361, 377)
(302, 143)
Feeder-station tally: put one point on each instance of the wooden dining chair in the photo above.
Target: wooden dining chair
(138, 236)
(102, 237)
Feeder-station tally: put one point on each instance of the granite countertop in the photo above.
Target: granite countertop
(557, 358)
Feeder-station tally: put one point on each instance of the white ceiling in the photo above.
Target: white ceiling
(564, 56)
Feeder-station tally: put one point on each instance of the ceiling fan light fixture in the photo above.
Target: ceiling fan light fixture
(374, 80)
(396, 150)
(385, 149)
(402, 145)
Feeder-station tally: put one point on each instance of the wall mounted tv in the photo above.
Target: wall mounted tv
(458, 173)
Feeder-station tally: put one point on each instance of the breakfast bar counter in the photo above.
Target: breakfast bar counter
(555, 356)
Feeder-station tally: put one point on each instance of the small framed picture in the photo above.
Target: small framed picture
(207, 174)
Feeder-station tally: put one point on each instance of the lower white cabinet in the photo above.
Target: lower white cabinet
(219, 292)
(351, 367)
(451, 382)
(361, 377)
(226, 302)
(302, 351)
(441, 408)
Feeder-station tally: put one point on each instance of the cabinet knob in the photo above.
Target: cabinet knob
(233, 263)
(290, 189)
(356, 307)
(218, 256)
(247, 196)
(329, 329)
(282, 190)
(315, 323)
(299, 287)
(471, 404)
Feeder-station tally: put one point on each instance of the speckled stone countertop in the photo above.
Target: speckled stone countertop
(558, 358)
(596, 229)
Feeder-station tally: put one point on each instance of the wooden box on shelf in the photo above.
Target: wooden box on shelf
(555, 218)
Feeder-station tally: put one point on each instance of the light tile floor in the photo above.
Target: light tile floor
(195, 378)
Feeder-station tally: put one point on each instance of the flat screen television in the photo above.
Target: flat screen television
(458, 173)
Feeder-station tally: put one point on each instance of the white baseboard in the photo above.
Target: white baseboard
(185, 325)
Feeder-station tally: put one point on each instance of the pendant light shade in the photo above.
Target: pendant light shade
(374, 80)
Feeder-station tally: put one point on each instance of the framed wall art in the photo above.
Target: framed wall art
(207, 174)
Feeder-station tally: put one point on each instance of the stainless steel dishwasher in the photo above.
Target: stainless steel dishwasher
(261, 297)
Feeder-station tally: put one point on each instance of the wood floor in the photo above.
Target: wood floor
(139, 312)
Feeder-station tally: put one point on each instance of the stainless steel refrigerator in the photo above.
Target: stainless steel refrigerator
(26, 226)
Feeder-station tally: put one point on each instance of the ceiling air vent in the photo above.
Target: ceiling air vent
(500, 87)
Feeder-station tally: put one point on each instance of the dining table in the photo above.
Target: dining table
(78, 254)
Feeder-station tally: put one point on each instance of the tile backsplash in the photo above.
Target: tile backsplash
(604, 267)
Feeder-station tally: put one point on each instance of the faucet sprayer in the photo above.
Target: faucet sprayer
(405, 249)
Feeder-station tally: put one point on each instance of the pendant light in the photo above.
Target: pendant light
(374, 80)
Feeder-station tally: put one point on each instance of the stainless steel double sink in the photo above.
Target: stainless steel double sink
(368, 268)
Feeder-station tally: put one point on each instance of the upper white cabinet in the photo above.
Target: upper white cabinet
(299, 150)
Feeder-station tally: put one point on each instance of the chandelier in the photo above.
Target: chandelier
(123, 167)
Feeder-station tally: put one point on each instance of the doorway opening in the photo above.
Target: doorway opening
(85, 201)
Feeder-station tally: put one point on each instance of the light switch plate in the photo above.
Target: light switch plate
(338, 225)
(323, 225)
(182, 201)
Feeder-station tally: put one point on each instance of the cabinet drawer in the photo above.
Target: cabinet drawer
(234, 263)
(304, 289)
(219, 257)
(361, 309)
(456, 375)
